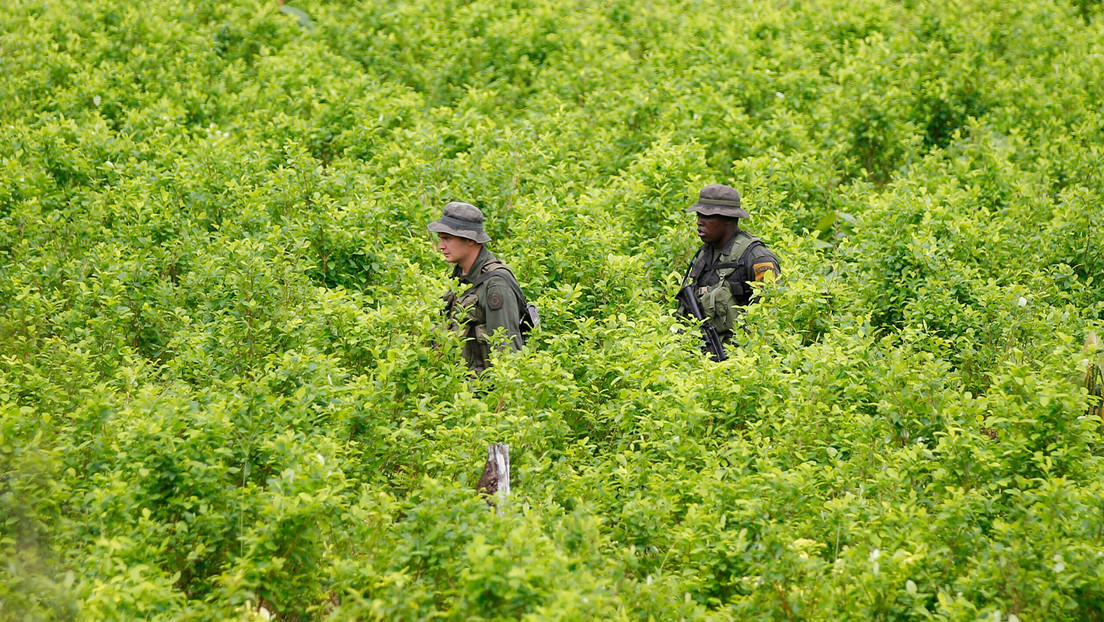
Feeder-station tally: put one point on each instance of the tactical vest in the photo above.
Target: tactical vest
(720, 288)
(467, 317)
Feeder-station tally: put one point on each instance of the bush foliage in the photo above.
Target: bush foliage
(224, 392)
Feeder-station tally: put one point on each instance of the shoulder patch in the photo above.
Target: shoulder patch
(761, 270)
(494, 301)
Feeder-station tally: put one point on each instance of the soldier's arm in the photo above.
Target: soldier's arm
(763, 266)
(502, 310)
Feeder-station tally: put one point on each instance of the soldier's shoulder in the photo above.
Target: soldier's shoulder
(496, 279)
(494, 266)
(498, 289)
(762, 251)
(760, 261)
(499, 277)
(699, 255)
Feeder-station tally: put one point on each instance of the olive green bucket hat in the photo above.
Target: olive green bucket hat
(462, 220)
(719, 200)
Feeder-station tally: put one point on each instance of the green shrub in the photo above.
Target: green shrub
(225, 391)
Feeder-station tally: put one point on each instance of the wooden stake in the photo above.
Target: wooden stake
(495, 481)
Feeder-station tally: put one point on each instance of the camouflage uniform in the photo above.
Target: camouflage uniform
(490, 297)
(494, 302)
(722, 277)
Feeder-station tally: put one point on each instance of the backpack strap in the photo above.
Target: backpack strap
(489, 270)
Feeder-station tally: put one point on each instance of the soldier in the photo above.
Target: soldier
(729, 260)
(491, 297)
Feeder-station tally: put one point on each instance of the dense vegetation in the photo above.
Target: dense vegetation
(224, 394)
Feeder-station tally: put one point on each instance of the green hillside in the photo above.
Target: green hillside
(225, 392)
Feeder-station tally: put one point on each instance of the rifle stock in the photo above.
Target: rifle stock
(709, 334)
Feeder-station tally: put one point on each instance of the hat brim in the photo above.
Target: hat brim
(719, 210)
(480, 237)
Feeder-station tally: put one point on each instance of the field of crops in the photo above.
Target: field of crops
(225, 392)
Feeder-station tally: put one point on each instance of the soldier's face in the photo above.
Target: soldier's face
(713, 229)
(456, 250)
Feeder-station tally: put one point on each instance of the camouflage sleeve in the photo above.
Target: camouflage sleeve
(762, 265)
(501, 308)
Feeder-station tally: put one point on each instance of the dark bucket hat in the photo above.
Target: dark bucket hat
(462, 220)
(719, 200)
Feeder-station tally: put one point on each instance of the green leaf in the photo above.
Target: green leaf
(300, 16)
(823, 228)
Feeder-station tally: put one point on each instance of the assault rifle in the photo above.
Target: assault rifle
(712, 340)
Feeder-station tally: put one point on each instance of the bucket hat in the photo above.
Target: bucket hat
(462, 220)
(719, 200)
